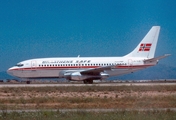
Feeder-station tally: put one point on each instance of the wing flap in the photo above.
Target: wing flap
(96, 71)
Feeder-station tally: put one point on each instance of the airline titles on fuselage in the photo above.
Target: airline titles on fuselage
(66, 61)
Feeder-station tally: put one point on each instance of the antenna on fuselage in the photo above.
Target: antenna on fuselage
(78, 56)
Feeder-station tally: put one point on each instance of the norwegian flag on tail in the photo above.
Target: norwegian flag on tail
(145, 47)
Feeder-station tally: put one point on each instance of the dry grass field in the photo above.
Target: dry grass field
(74, 97)
(120, 97)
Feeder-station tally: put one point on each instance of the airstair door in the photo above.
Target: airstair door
(33, 64)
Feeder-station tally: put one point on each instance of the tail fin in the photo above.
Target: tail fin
(146, 48)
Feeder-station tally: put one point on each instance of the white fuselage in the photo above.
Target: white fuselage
(53, 67)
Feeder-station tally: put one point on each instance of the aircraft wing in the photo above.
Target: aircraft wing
(96, 71)
(156, 58)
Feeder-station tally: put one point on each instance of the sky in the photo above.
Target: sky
(68, 28)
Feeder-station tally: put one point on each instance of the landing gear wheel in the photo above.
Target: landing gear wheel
(88, 81)
(28, 82)
(85, 81)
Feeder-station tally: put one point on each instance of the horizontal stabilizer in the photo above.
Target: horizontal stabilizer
(156, 58)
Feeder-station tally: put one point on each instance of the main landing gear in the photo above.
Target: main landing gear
(88, 81)
(28, 82)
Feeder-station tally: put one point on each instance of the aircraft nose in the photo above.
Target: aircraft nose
(10, 72)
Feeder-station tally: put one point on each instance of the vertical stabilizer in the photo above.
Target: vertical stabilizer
(146, 48)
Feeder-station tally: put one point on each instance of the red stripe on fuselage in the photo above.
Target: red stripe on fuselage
(80, 67)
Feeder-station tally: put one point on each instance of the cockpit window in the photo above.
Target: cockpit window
(19, 65)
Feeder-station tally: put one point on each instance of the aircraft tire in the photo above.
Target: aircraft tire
(28, 82)
(88, 81)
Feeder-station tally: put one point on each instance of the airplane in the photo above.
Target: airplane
(87, 69)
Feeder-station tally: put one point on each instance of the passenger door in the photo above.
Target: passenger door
(130, 62)
(33, 65)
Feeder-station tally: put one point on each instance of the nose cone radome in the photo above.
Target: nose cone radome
(10, 71)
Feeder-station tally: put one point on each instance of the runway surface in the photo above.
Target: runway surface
(99, 84)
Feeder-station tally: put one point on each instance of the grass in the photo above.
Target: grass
(121, 97)
(87, 97)
(83, 115)
(88, 89)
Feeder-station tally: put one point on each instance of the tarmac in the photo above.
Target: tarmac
(78, 85)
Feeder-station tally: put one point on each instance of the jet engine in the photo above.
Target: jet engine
(77, 76)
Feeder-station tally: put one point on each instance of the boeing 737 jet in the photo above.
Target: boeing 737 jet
(87, 69)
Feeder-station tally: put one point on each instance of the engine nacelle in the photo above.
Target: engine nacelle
(104, 75)
(72, 75)
(66, 74)
(77, 76)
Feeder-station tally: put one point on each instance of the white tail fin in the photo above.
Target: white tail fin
(146, 48)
